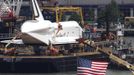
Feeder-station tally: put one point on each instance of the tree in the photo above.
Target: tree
(75, 17)
(91, 14)
(101, 17)
(110, 14)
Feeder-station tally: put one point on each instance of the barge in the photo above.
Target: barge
(22, 58)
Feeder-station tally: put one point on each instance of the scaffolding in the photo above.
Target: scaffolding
(60, 10)
(10, 8)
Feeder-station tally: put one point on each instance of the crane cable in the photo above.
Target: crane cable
(18, 35)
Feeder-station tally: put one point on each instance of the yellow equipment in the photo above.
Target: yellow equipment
(113, 57)
(60, 10)
(129, 21)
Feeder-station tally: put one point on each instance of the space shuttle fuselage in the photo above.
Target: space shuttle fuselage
(40, 31)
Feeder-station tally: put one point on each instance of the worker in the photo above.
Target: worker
(94, 29)
(10, 51)
(112, 36)
(53, 50)
(87, 31)
(10, 14)
(56, 3)
(59, 28)
(93, 34)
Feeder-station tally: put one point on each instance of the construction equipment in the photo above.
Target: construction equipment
(113, 57)
(10, 9)
(60, 10)
(117, 59)
(129, 22)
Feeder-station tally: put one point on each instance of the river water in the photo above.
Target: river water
(109, 72)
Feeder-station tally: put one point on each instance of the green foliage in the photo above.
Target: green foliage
(91, 14)
(63, 18)
(101, 17)
(110, 13)
(75, 17)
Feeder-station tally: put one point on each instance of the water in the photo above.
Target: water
(109, 72)
(118, 72)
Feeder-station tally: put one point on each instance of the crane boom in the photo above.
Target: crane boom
(117, 59)
(10, 8)
(113, 57)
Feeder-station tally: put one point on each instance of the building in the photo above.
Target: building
(125, 6)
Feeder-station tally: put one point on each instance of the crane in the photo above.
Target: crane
(61, 10)
(10, 8)
(108, 51)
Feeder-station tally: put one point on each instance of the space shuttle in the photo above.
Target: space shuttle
(40, 31)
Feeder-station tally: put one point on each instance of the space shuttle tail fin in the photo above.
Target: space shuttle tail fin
(37, 12)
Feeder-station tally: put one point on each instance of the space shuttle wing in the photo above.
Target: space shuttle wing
(17, 41)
